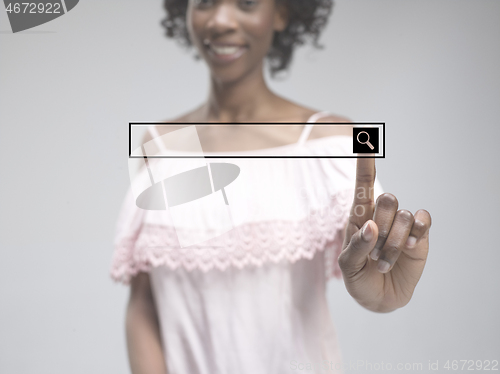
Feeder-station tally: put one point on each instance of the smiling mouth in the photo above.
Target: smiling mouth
(225, 53)
(226, 50)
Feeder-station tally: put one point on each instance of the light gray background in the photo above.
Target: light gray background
(429, 69)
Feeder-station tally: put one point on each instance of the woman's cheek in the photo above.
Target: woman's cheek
(194, 25)
(261, 33)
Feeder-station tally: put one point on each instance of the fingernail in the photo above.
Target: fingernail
(367, 232)
(375, 253)
(410, 242)
(383, 266)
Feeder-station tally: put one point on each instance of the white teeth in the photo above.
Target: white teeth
(225, 50)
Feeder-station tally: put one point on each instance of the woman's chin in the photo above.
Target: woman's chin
(227, 71)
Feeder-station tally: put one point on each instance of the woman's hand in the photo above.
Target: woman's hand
(385, 249)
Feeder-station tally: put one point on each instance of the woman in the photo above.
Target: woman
(263, 315)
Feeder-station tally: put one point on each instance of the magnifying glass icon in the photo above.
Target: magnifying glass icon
(367, 142)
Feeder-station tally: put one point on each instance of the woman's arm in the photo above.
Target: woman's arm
(143, 334)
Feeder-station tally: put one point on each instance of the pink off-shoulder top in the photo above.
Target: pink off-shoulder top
(252, 298)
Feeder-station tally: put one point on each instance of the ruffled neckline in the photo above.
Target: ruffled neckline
(147, 239)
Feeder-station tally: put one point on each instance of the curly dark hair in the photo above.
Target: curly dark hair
(306, 20)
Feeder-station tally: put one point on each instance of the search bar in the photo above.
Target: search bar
(194, 140)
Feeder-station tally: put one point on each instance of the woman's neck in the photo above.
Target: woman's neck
(241, 100)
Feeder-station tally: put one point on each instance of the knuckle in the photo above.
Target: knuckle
(390, 256)
(426, 215)
(356, 242)
(404, 215)
(419, 226)
(383, 232)
(365, 177)
(387, 199)
(391, 261)
(342, 260)
(391, 250)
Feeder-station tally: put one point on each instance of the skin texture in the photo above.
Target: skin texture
(238, 93)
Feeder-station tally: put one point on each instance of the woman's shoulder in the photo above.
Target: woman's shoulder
(304, 113)
(331, 125)
(175, 124)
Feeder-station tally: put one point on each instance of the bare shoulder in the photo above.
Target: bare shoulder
(321, 131)
(326, 130)
(173, 125)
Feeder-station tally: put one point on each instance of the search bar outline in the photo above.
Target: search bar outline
(380, 125)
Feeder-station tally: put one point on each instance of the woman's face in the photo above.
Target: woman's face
(233, 36)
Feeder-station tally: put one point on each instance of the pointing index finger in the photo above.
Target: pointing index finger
(364, 202)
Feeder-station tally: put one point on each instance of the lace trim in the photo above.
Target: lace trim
(252, 243)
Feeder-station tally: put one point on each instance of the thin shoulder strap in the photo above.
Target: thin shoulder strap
(307, 128)
(156, 137)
